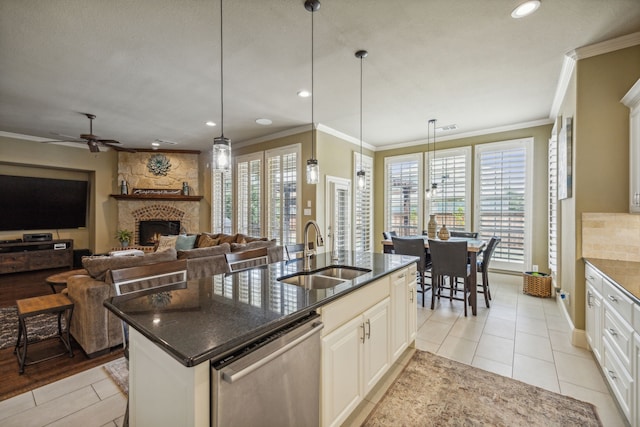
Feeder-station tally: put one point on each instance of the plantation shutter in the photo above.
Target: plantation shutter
(451, 204)
(363, 205)
(282, 190)
(248, 190)
(221, 210)
(553, 204)
(402, 195)
(502, 173)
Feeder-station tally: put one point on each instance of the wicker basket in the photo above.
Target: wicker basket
(538, 285)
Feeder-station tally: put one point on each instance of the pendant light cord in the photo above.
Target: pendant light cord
(221, 76)
(361, 59)
(313, 134)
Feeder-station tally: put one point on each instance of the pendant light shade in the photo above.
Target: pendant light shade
(313, 170)
(221, 145)
(361, 176)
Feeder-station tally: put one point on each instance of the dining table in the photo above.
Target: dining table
(474, 247)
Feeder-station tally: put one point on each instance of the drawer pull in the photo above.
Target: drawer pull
(363, 334)
(411, 293)
(401, 276)
(612, 375)
(612, 298)
(369, 329)
(612, 332)
(589, 304)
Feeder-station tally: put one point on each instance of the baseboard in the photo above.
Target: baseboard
(578, 336)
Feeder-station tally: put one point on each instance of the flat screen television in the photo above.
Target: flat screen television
(28, 203)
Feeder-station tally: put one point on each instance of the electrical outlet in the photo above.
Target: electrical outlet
(535, 267)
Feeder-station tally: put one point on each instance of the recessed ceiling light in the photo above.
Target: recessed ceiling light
(210, 123)
(304, 93)
(525, 9)
(263, 122)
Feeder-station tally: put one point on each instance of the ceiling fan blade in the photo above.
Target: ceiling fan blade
(108, 141)
(65, 140)
(69, 138)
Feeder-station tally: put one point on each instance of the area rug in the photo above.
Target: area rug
(118, 370)
(38, 327)
(435, 391)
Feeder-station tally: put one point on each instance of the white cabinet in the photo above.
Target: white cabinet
(403, 310)
(354, 358)
(632, 100)
(593, 312)
(612, 328)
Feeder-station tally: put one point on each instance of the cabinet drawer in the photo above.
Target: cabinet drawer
(621, 382)
(339, 312)
(620, 336)
(593, 277)
(617, 300)
(13, 262)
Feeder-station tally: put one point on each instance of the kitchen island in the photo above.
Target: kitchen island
(178, 331)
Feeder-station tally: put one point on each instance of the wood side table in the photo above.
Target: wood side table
(60, 279)
(29, 307)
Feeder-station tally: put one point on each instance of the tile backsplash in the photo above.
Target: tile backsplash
(611, 236)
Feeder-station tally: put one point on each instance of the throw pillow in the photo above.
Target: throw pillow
(206, 241)
(227, 238)
(166, 242)
(185, 242)
(220, 249)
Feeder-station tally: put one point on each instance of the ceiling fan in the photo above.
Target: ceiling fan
(92, 140)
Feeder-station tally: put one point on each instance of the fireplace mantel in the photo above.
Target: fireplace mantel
(174, 197)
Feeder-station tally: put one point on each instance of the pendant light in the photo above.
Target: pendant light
(221, 145)
(361, 174)
(313, 171)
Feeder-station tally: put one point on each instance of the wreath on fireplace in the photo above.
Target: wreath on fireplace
(159, 164)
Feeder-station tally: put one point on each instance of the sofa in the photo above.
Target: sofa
(97, 330)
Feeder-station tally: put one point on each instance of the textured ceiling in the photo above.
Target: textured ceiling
(150, 69)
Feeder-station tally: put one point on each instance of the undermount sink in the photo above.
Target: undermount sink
(325, 278)
(345, 273)
(312, 281)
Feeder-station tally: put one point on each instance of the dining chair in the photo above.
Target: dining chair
(465, 234)
(389, 234)
(483, 267)
(238, 261)
(134, 280)
(449, 259)
(415, 246)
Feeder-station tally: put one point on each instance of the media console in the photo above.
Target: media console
(29, 256)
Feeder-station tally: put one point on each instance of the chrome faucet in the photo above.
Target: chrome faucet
(319, 242)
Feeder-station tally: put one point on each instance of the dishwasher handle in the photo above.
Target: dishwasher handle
(230, 375)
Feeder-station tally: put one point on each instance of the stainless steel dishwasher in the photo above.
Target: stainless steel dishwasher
(274, 381)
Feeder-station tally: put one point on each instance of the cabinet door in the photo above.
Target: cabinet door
(412, 310)
(594, 321)
(636, 378)
(377, 354)
(399, 313)
(341, 371)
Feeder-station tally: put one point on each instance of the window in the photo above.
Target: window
(503, 200)
(248, 192)
(221, 208)
(403, 194)
(553, 202)
(282, 190)
(449, 170)
(363, 205)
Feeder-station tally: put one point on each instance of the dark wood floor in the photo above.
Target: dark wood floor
(25, 285)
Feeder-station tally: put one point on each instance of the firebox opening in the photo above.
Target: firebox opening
(150, 231)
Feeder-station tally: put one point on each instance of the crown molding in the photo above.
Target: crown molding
(344, 136)
(498, 129)
(568, 65)
(633, 96)
(606, 46)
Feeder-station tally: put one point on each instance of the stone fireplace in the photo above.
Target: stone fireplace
(168, 213)
(149, 232)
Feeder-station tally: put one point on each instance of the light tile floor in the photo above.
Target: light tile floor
(520, 336)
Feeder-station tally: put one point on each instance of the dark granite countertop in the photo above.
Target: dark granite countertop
(208, 318)
(626, 274)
